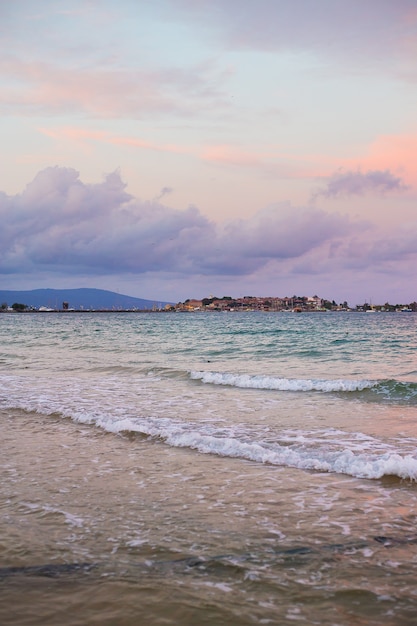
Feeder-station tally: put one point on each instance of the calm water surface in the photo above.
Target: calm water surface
(237, 468)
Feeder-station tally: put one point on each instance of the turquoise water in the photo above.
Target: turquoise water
(230, 468)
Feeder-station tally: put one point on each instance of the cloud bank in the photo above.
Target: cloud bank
(61, 223)
(61, 228)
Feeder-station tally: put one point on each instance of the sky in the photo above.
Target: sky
(173, 149)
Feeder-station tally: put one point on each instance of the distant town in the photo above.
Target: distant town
(296, 304)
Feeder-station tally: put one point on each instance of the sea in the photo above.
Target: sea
(208, 468)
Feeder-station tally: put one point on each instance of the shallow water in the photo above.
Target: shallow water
(135, 492)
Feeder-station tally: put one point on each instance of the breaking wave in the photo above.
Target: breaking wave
(388, 390)
(333, 452)
(344, 457)
(112, 405)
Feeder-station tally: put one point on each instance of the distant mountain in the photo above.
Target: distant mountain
(77, 299)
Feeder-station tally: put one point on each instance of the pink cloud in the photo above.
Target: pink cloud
(83, 136)
(396, 153)
(388, 164)
(107, 91)
(269, 163)
(225, 154)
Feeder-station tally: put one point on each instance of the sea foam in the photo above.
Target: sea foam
(353, 454)
(370, 464)
(247, 381)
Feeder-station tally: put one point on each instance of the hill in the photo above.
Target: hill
(85, 298)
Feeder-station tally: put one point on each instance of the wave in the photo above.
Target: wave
(389, 390)
(371, 464)
(247, 381)
(102, 403)
(358, 456)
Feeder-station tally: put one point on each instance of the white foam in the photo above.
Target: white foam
(70, 519)
(136, 543)
(327, 450)
(369, 465)
(247, 381)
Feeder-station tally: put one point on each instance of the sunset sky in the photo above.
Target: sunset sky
(171, 149)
